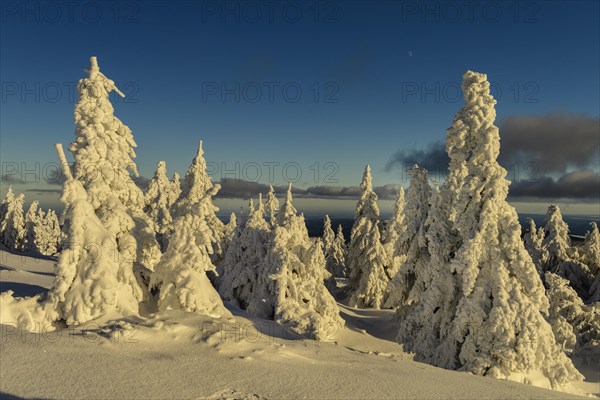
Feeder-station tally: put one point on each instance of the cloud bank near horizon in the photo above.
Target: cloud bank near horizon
(547, 157)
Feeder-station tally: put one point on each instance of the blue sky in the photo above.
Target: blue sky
(388, 70)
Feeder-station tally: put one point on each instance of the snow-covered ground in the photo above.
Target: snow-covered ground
(183, 355)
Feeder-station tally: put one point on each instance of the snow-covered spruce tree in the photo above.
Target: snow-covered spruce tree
(175, 189)
(367, 258)
(590, 250)
(230, 232)
(556, 238)
(13, 223)
(33, 222)
(87, 283)
(180, 274)
(425, 318)
(9, 197)
(234, 251)
(104, 150)
(328, 234)
(48, 233)
(339, 253)
(560, 257)
(290, 287)
(393, 230)
(272, 206)
(533, 244)
(158, 197)
(244, 258)
(4, 207)
(498, 327)
(575, 324)
(230, 228)
(195, 186)
(328, 243)
(412, 242)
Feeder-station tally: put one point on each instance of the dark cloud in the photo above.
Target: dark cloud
(549, 144)
(552, 143)
(241, 189)
(42, 191)
(387, 192)
(532, 147)
(581, 184)
(56, 178)
(334, 191)
(10, 179)
(433, 158)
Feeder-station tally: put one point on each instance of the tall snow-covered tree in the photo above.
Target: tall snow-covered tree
(272, 206)
(367, 258)
(158, 197)
(104, 151)
(495, 322)
(87, 283)
(411, 243)
(180, 274)
(195, 186)
(560, 257)
(244, 258)
(393, 230)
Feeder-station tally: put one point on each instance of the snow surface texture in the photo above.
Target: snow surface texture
(189, 356)
(484, 306)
